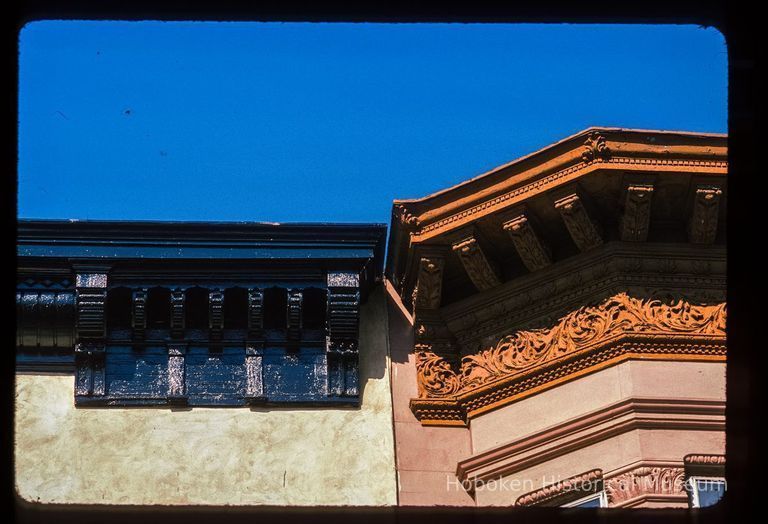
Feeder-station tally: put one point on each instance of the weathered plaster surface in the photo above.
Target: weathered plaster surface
(218, 456)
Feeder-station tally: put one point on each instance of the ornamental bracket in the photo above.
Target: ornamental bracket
(534, 253)
(90, 298)
(702, 229)
(343, 332)
(584, 232)
(476, 264)
(635, 222)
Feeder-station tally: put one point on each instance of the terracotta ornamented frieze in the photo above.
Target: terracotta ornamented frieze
(435, 376)
(583, 339)
(476, 264)
(541, 298)
(595, 148)
(584, 327)
(643, 482)
(581, 485)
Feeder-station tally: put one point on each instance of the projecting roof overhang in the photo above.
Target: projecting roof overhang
(597, 186)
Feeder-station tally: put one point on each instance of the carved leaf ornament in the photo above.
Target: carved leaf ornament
(513, 353)
(435, 374)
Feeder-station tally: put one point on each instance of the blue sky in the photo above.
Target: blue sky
(297, 122)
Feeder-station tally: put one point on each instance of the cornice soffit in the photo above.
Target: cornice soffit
(419, 220)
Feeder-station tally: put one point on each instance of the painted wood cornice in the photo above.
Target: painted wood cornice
(583, 341)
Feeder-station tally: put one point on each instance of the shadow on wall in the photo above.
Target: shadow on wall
(400, 326)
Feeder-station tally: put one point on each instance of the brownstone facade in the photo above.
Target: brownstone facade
(562, 318)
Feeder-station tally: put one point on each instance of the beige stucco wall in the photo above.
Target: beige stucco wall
(230, 456)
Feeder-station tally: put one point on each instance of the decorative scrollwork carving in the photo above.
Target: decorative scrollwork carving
(576, 331)
(435, 376)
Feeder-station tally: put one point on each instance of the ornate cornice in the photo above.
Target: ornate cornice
(588, 337)
(406, 218)
(430, 229)
(643, 482)
(598, 171)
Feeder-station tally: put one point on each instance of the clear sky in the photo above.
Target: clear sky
(297, 122)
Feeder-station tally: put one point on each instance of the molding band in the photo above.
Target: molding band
(555, 493)
(615, 419)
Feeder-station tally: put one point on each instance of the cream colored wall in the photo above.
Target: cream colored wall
(229, 456)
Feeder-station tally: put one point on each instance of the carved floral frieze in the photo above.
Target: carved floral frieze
(577, 331)
(645, 481)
